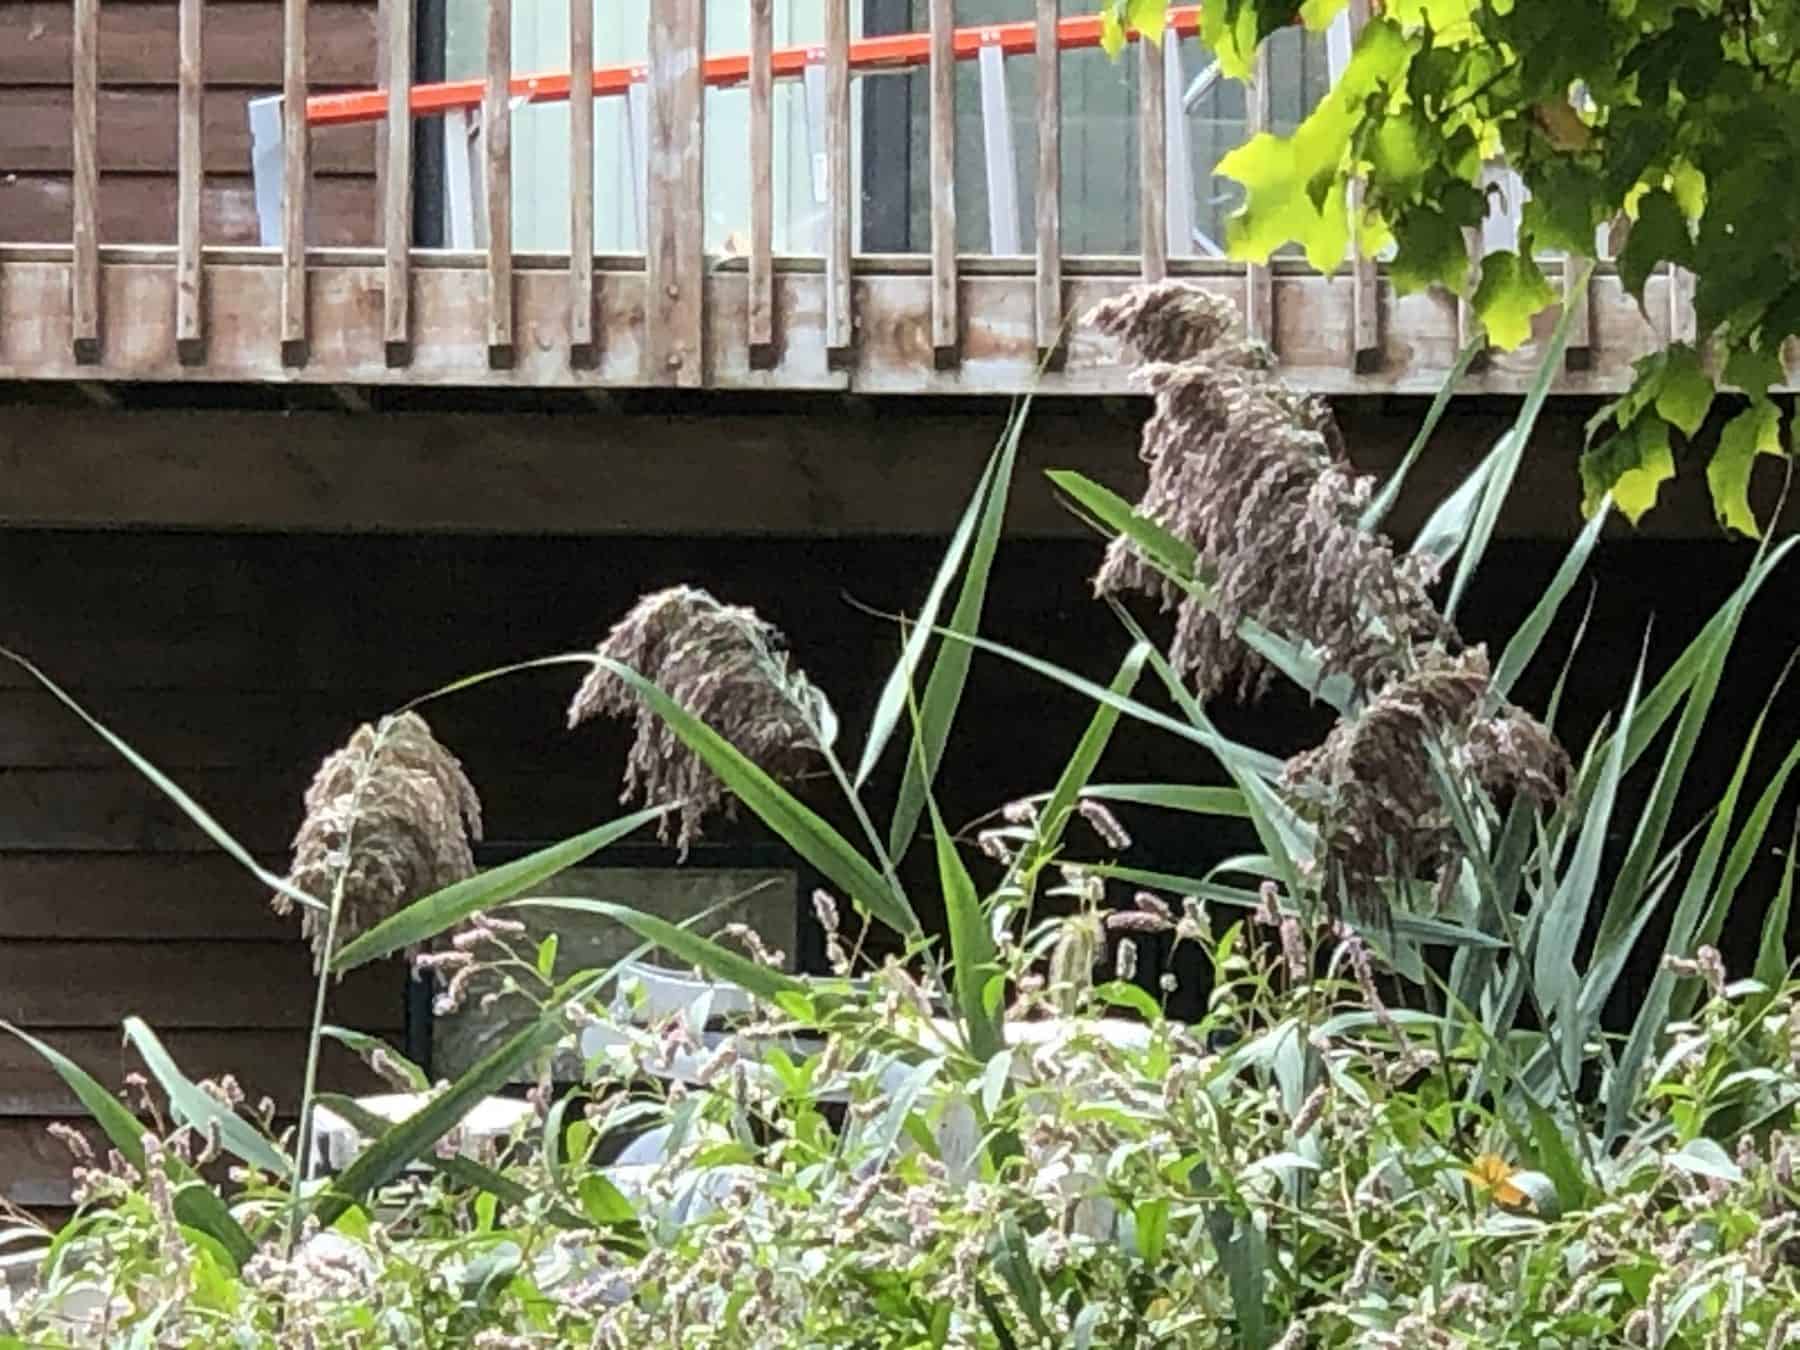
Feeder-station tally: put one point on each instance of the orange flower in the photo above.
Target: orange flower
(1492, 1176)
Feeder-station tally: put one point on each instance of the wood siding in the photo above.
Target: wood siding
(137, 124)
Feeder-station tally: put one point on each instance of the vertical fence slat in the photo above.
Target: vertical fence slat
(762, 180)
(1365, 295)
(1579, 355)
(1683, 323)
(1178, 196)
(839, 206)
(1153, 161)
(1049, 180)
(1468, 327)
(675, 258)
(190, 335)
(582, 351)
(1259, 283)
(397, 186)
(85, 237)
(294, 157)
(997, 149)
(945, 324)
(496, 132)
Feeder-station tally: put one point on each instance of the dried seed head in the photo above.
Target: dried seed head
(1253, 477)
(728, 668)
(390, 817)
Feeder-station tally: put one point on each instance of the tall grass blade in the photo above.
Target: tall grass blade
(803, 829)
(1507, 455)
(1530, 635)
(202, 1111)
(895, 692)
(1377, 510)
(1771, 958)
(1112, 512)
(367, 1046)
(425, 918)
(122, 1129)
(1195, 800)
(972, 952)
(949, 673)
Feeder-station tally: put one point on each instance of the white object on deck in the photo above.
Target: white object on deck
(336, 1141)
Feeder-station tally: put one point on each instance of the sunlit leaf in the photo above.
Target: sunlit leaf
(1632, 466)
(1755, 431)
(1512, 292)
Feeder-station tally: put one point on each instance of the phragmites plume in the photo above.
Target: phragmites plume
(727, 667)
(390, 817)
(1254, 478)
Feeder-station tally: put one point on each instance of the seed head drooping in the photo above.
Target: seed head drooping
(1253, 476)
(395, 814)
(727, 667)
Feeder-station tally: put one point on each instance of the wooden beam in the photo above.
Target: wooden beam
(761, 319)
(295, 137)
(839, 204)
(1259, 286)
(1048, 296)
(946, 325)
(496, 136)
(896, 353)
(397, 186)
(1153, 162)
(581, 187)
(1365, 295)
(674, 325)
(85, 279)
(190, 332)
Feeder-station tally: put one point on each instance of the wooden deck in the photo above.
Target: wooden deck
(892, 349)
(484, 314)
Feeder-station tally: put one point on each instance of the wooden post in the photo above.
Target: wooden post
(294, 147)
(84, 277)
(397, 187)
(496, 132)
(1683, 322)
(1579, 354)
(1049, 181)
(190, 333)
(675, 259)
(1365, 295)
(945, 324)
(762, 183)
(582, 349)
(839, 205)
(1259, 293)
(1153, 161)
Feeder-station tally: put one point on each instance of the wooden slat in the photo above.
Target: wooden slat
(294, 184)
(1683, 324)
(1579, 354)
(138, 44)
(139, 132)
(1259, 283)
(839, 203)
(1365, 306)
(1153, 162)
(1468, 326)
(675, 318)
(761, 320)
(496, 136)
(1048, 297)
(140, 208)
(220, 985)
(397, 186)
(581, 186)
(118, 897)
(265, 1063)
(190, 336)
(85, 226)
(945, 322)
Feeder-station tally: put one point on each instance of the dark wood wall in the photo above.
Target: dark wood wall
(243, 59)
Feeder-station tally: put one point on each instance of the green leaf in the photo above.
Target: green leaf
(971, 944)
(1659, 234)
(203, 1111)
(803, 829)
(122, 1129)
(1117, 514)
(1199, 801)
(1112, 31)
(943, 691)
(367, 1047)
(1432, 252)
(1150, 1222)
(1755, 431)
(1632, 466)
(1771, 955)
(1753, 371)
(1512, 293)
(425, 918)
(898, 688)
(1686, 392)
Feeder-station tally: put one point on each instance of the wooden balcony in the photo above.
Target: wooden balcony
(674, 313)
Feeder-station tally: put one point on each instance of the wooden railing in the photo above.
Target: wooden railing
(482, 312)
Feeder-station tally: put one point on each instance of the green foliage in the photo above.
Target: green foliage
(1676, 115)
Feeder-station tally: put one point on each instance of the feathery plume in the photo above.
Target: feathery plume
(391, 812)
(727, 667)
